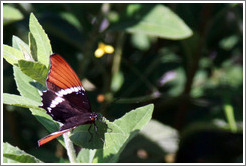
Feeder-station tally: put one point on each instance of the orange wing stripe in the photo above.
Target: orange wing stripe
(68, 70)
(61, 74)
(64, 71)
(63, 82)
(52, 136)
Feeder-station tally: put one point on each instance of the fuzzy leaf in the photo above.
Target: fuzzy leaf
(13, 154)
(35, 70)
(28, 88)
(157, 21)
(120, 132)
(22, 46)
(26, 85)
(21, 101)
(86, 155)
(81, 136)
(44, 49)
(12, 55)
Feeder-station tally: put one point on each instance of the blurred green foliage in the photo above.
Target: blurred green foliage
(189, 63)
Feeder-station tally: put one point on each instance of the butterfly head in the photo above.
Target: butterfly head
(94, 116)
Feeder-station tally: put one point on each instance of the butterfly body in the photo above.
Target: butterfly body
(65, 100)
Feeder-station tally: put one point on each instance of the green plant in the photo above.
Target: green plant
(30, 65)
(193, 77)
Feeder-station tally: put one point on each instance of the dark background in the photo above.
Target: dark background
(207, 70)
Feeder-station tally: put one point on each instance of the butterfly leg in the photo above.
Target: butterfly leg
(95, 128)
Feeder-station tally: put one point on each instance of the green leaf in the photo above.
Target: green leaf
(160, 134)
(20, 101)
(72, 19)
(120, 132)
(86, 155)
(156, 20)
(44, 49)
(13, 154)
(228, 43)
(35, 70)
(22, 46)
(156, 139)
(39, 113)
(12, 55)
(26, 85)
(11, 14)
(81, 136)
(47, 122)
(28, 88)
(32, 46)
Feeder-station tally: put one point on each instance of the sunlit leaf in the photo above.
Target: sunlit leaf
(86, 155)
(151, 20)
(21, 101)
(35, 70)
(12, 55)
(13, 154)
(44, 49)
(119, 133)
(28, 88)
(22, 46)
(11, 14)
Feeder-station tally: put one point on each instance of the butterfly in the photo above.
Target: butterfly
(65, 99)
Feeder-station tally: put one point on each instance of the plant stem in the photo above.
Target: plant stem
(93, 37)
(118, 54)
(229, 112)
(70, 148)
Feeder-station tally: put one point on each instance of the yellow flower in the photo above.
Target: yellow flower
(99, 53)
(109, 49)
(103, 49)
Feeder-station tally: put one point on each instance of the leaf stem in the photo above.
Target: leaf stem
(70, 148)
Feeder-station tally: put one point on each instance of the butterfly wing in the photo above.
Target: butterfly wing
(57, 107)
(61, 75)
(52, 136)
(65, 92)
(65, 100)
(70, 124)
